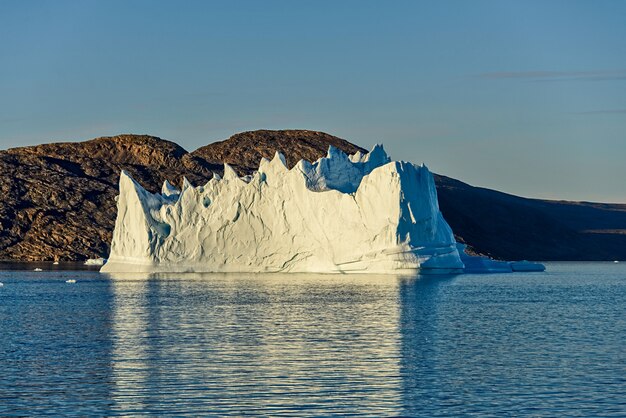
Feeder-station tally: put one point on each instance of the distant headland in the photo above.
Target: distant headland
(59, 199)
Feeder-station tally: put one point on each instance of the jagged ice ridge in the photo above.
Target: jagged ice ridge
(361, 213)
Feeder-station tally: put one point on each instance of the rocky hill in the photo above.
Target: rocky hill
(59, 199)
(511, 227)
(243, 151)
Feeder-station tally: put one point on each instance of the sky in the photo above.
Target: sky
(526, 97)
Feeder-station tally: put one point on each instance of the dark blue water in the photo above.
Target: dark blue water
(535, 344)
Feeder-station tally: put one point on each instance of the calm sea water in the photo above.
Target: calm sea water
(535, 344)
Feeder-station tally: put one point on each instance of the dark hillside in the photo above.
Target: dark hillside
(59, 199)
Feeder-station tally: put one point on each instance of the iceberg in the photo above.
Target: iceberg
(95, 261)
(361, 213)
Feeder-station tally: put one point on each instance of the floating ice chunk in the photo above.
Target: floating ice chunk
(481, 264)
(70, 281)
(95, 262)
(37, 269)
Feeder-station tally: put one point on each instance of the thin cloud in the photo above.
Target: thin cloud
(540, 76)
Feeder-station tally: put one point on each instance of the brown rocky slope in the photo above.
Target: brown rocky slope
(59, 199)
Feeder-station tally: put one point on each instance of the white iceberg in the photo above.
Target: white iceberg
(342, 214)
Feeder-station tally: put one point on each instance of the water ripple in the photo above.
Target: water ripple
(545, 344)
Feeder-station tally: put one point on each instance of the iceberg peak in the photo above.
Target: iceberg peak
(186, 184)
(334, 152)
(169, 190)
(229, 173)
(279, 157)
(377, 156)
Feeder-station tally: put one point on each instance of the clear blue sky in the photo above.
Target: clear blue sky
(528, 97)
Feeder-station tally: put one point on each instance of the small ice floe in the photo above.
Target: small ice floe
(1, 284)
(37, 269)
(95, 261)
(70, 281)
(481, 264)
(616, 261)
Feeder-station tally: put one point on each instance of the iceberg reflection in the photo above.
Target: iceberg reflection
(234, 343)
